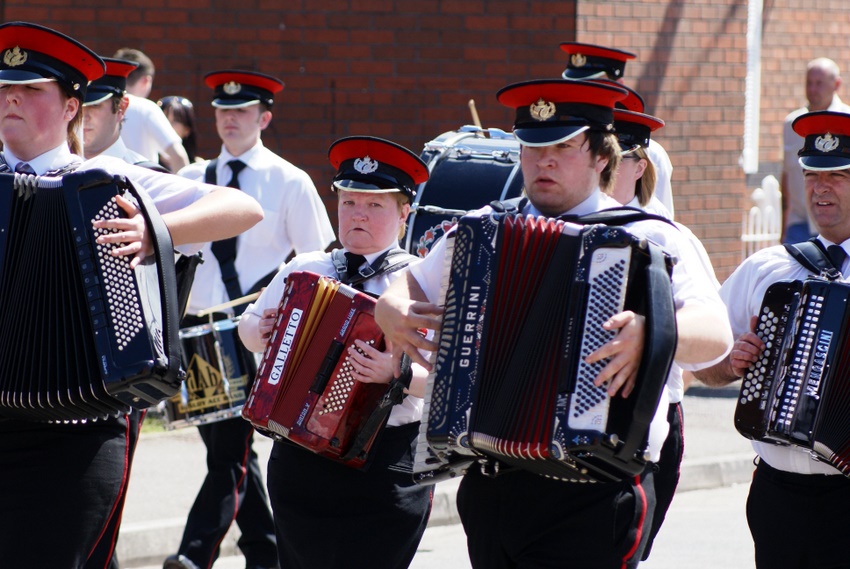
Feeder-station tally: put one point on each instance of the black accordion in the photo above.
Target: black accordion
(82, 335)
(525, 300)
(798, 392)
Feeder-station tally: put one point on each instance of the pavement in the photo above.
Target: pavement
(170, 466)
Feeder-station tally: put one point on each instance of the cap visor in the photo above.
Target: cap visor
(824, 163)
(16, 77)
(546, 136)
(352, 186)
(233, 104)
(95, 98)
(586, 74)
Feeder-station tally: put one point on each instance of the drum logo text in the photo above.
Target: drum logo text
(285, 345)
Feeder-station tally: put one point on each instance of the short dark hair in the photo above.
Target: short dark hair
(146, 66)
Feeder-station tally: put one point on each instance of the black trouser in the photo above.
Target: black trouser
(59, 485)
(329, 516)
(523, 520)
(799, 520)
(667, 471)
(104, 555)
(232, 490)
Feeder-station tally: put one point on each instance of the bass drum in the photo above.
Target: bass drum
(468, 168)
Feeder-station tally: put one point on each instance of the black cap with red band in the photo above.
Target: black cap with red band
(634, 129)
(112, 84)
(827, 140)
(370, 164)
(236, 89)
(588, 61)
(549, 111)
(30, 53)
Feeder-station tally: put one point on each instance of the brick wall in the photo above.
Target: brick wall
(405, 69)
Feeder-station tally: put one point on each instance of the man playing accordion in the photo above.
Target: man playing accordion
(375, 516)
(796, 506)
(569, 154)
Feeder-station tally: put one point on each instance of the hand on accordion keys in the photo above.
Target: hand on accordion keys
(746, 350)
(371, 365)
(624, 350)
(132, 231)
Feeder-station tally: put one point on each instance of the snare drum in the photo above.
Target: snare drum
(219, 371)
(468, 168)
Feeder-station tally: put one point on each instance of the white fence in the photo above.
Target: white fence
(762, 224)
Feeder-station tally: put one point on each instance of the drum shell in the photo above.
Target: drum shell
(468, 169)
(219, 373)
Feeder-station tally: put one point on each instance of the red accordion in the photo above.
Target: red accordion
(304, 390)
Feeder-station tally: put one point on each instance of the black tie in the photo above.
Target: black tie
(353, 262)
(24, 168)
(836, 255)
(225, 250)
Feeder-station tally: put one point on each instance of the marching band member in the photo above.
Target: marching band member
(61, 482)
(374, 518)
(295, 222)
(792, 494)
(516, 518)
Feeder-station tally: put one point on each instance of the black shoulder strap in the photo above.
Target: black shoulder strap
(812, 255)
(620, 216)
(209, 173)
(150, 165)
(389, 262)
(513, 205)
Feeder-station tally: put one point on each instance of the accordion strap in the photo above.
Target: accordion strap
(812, 255)
(660, 331)
(379, 417)
(389, 262)
(164, 251)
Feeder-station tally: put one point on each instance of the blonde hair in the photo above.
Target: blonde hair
(645, 185)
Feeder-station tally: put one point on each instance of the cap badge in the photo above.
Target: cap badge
(541, 110)
(578, 60)
(232, 87)
(365, 165)
(14, 57)
(826, 143)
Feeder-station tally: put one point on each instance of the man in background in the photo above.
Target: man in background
(146, 129)
(823, 79)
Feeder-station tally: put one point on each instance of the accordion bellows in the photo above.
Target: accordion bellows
(525, 300)
(83, 334)
(798, 392)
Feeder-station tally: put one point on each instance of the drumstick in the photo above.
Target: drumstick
(475, 120)
(236, 302)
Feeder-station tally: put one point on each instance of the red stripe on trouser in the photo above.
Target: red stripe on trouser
(236, 493)
(118, 496)
(641, 497)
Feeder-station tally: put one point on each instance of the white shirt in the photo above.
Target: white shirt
(697, 251)
(146, 129)
(168, 192)
(663, 174)
(795, 190)
(295, 220)
(119, 150)
(689, 286)
(319, 262)
(743, 293)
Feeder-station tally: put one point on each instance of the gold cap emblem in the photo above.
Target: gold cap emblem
(826, 143)
(232, 87)
(541, 110)
(14, 57)
(578, 60)
(365, 165)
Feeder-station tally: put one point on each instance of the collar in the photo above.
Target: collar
(370, 257)
(118, 149)
(249, 157)
(53, 159)
(595, 202)
(844, 245)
